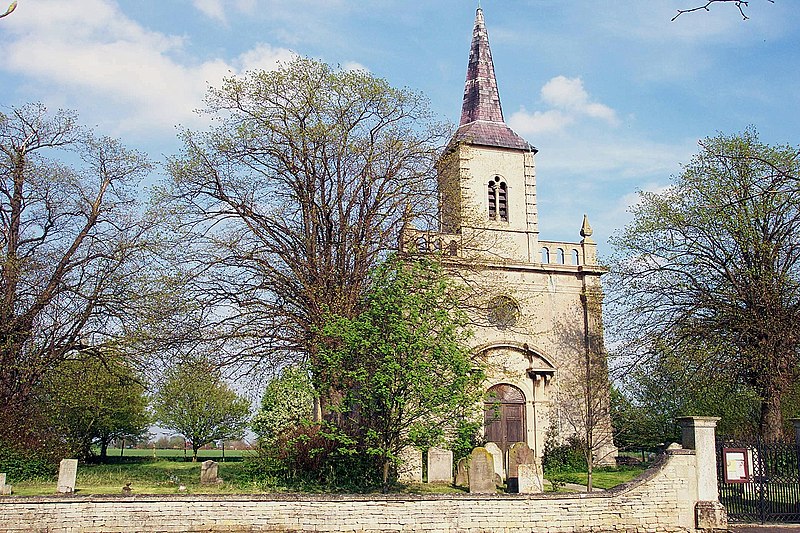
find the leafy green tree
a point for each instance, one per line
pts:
(196, 402)
(91, 400)
(288, 401)
(710, 269)
(402, 366)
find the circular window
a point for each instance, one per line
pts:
(503, 311)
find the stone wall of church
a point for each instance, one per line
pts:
(662, 500)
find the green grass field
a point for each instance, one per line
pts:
(602, 477)
(146, 476)
(166, 473)
(215, 454)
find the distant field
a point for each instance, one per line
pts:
(160, 476)
(149, 452)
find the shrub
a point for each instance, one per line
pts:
(22, 465)
(565, 457)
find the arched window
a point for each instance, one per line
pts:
(575, 257)
(545, 255)
(560, 256)
(497, 192)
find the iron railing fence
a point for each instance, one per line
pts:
(770, 490)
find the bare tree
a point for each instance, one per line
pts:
(68, 234)
(741, 5)
(284, 207)
(582, 399)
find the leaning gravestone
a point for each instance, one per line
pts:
(67, 472)
(497, 455)
(481, 471)
(518, 454)
(208, 473)
(410, 468)
(5, 490)
(530, 479)
(462, 473)
(440, 465)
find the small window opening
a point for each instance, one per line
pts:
(575, 258)
(545, 255)
(560, 256)
(453, 248)
(492, 200)
(497, 192)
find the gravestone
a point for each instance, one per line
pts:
(481, 472)
(208, 473)
(410, 468)
(67, 472)
(462, 473)
(497, 455)
(5, 490)
(518, 454)
(440, 465)
(530, 479)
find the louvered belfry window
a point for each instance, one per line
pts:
(497, 191)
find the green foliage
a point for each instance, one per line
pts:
(402, 367)
(92, 399)
(195, 401)
(288, 401)
(467, 436)
(676, 384)
(562, 456)
(315, 458)
(24, 464)
(710, 269)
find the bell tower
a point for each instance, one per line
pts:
(487, 178)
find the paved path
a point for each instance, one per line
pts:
(766, 528)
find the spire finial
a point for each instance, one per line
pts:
(586, 229)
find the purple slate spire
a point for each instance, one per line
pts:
(481, 114)
(481, 98)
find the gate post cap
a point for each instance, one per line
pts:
(699, 421)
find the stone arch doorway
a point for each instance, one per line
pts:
(504, 416)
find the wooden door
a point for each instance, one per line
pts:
(504, 416)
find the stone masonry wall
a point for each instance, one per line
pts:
(662, 500)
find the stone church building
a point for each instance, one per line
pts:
(536, 312)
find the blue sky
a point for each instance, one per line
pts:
(613, 94)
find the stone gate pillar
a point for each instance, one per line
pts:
(699, 435)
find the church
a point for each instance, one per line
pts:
(537, 319)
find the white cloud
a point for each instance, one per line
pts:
(569, 101)
(100, 60)
(353, 66)
(539, 122)
(217, 9)
(211, 8)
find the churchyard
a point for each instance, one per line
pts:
(168, 472)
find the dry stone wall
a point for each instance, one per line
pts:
(661, 501)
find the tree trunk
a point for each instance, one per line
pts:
(771, 422)
(194, 453)
(103, 449)
(385, 488)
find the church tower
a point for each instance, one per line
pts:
(536, 306)
(487, 177)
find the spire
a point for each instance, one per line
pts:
(481, 98)
(481, 113)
